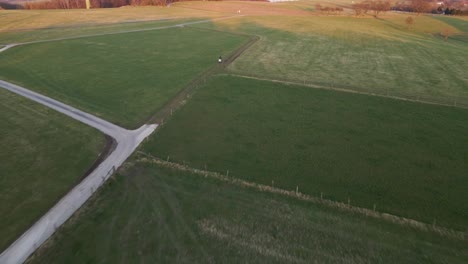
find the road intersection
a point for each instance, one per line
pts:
(126, 142)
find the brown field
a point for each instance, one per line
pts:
(35, 19)
(246, 8)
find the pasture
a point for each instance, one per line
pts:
(404, 158)
(73, 31)
(124, 78)
(14, 20)
(366, 54)
(43, 155)
(152, 214)
(409, 159)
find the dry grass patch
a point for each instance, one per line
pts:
(389, 27)
(15, 20)
(246, 8)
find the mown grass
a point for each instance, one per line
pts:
(408, 159)
(124, 78)
(460, 24)
(151, 214)
(376, 55)
(72, 31)
(36, 19)
(43, 154)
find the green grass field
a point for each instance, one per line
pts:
(409, 159)
(54, 32)
(43, 155)
(124, 78)
(154, 215)
(457, 22)
(18, 20)
(367, 54)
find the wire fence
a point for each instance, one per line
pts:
(347, 206)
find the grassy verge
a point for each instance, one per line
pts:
(124, 78)
(408, 159)
(43, 155)
(376, 55)
(151, 214)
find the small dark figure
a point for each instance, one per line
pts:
(220, 59)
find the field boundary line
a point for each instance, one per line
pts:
(347, 90)
(126, 142)
(184, 94)
(11, 45)
(143, 157)
(70, 26)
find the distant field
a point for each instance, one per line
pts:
(409, 159)
(43, 154)
(460, 23)
(60, 31)
(36, 19)
(368, 54)
(124, 78)
(154, 215)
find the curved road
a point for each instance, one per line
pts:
(127, 142)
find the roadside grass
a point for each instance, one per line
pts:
(124, 78)
(366, 54)
(409, 159)
(151, 214)
(43, 155)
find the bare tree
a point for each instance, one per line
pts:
(420, 6)
(338, 10)
(360, 8)
(318, 7)
(446, 33)
(409, 21)
(379, 6)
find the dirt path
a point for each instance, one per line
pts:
(118, 32)
(127, 141)
(176, 102)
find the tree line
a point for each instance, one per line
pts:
(328, 10)
(374, 7)
(448, 7)
(75, 4)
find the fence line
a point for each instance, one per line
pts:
(444, 100)
(442, 231)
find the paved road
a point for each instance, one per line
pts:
(127, 142)
(7, 47)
